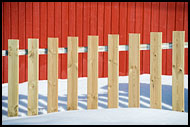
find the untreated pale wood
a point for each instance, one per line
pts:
(72, 73)
(134, 70)
(155, 70)
(92, 86)
(13, 77)
(178, 71)
(52, 75)
(33, 74)
(113, 70)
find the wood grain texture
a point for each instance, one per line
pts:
(155, 70)
(72, 73)
(13, 77)
(178, 71)
(92, 86)
(113, 70)
(52, 75)
(33, 76)
(134, 70)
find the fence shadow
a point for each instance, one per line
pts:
(102, 99)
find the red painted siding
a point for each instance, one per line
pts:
(23, 20)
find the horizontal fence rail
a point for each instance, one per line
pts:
(100, 49)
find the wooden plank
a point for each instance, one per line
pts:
(79, 33)
(130, 27)
(15, 32)
(51, 19)
(134, 70)
(115, 6)
(28, 31)
(178, 71)
(107, 30)
(113, 70)
(2, 39)
(13, 77)
(122, 37)
(22, 32)
(7, 35)
(33, 74)
(86, 32)
(155, 70)
(43, 40)
(146, 36)
(179, 23)
(52, 75)
(65, 31)
(92, 86)
(93, 18)
(58, 33)
(170, 27)
(163, 28)
(139, 29)
(72, 73)
(186, 35)
(101, 38)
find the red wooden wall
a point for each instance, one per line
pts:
(23, 20)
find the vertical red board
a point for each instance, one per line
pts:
(86, 32)
(146, 36)
(14, 20)
(139, 29)
(115, 18)
(58, 33)
(72, 19)
(79, 16)
(28, 31)
(7, 35)
(51, 19)
(130, 27)
(65, 28)
(186, 35)
(155, 17)
(162, 28)
(170, 28)
(51, 22)
(22, 33)
(36, 20)
(122, 37)
(93, 18)
(15, 33)
(115, 29)
(101, 38)
(179, 16)
(107, 30)
(43, 41)
(2, 41)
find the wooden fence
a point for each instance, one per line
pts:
(134, 48)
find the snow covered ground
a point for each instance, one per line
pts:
(122, 115)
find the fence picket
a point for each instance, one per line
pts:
(155, 70)
(13, 77)
(134, 70)
(33, 76)
(92, 86)
(113, 70)
(178, 71)
(52, 75)
(72, 73)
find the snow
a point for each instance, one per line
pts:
(106, 116)
(121, 115)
